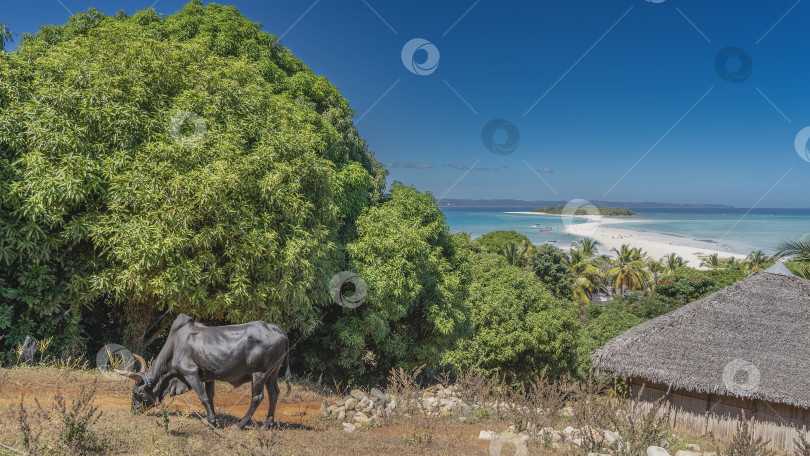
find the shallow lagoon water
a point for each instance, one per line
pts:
(734, 230)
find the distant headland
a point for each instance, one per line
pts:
(597, 203)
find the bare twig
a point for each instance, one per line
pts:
(13, 449)
(222, 434)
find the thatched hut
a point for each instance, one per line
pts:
(744, 349)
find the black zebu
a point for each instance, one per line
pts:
(195, 355)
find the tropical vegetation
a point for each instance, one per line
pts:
(155, 165)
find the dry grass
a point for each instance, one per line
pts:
(94, 410)
(59, 411)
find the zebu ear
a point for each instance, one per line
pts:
(132, 375)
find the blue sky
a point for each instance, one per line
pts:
(617, 100)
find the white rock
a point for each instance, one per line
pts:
(611, 437)
(687, 453)
(349, 427)
(361, 418)
(351, 404)
(657, 451)
(693, 447)
(487, 435)
(357, 394)
(378, 394)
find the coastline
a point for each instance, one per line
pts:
(656, 245)
(590, 216)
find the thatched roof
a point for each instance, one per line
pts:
(750, 340)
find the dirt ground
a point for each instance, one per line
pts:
(301, 429)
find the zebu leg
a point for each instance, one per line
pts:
(209, 390)
(272, 394)
(257, 389)
(197, 384)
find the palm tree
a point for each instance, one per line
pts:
(656, 268)
(799, 249)
(712, 261)
(515, 253)
(629, 272)
(756, 261)
(733, 263)
(588, 277)
(638, 254)
(587, 246)
(673, 262)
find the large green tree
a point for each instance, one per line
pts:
(184, 164)
(416, 275)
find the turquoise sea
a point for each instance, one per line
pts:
(733, 230)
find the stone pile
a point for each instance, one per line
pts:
(361, 408)
(583, 437)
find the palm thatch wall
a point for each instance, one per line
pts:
(745, 349)
(778, 424)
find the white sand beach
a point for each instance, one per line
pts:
(656, 245)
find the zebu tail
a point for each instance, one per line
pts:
(287, 375)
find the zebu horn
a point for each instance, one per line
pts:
(132, 375)
(142, 361)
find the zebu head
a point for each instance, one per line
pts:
(143, 395)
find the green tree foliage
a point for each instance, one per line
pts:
(497, 241)
(551, 265)
(518, 328)
(416, 274)
(605, 325)
(721, 277)
(630, 271)
(712, 261)
(5, 36)
(240, 212)
(757, 261)
(673, 262)
(679, 289)
(799, 268)
(799, 249)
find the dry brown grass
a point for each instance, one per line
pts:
(60, 411)
(34, 394)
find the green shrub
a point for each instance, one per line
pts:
(550, 265)
(679, 289)
(496, 241)
(518, 327)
